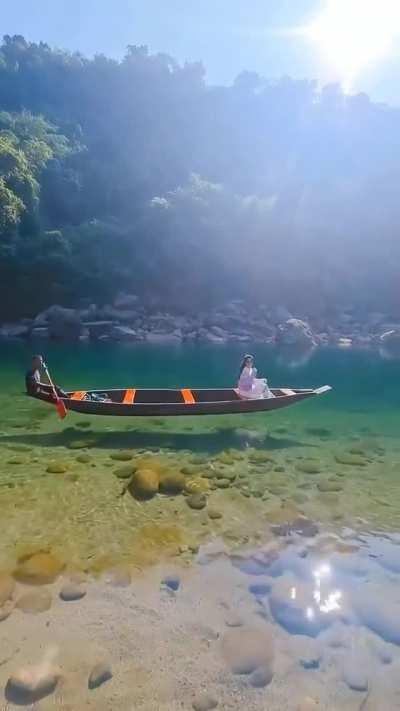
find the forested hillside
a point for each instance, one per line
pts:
(138, 175)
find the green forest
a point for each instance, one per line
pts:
(138, 175)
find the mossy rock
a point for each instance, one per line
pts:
(257, 491)
(144, 484)
(125, 472)
(57, 468)
(82, 444)
(191, 469)
(208, 473)
(308, 466)
(226, 474)
(328, 485)
(214, 514)
(156, 464)
(352, 460)
(199, 459)
(20, 448)
(287, 512)
(197, 501)
(235, 454)
(223, 483)
(172, 482)
(84, 458)
(225, 458)
(276, 489)
(41, 568)
(259, 457)
(122, 456)
(197, 485)
(16, 460)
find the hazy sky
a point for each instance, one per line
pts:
(226, 35)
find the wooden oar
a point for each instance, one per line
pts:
(60, 407)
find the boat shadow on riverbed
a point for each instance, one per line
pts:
(212, 441)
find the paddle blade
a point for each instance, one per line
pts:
(322, 390)
(61, 409)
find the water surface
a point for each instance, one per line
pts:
(303, 532)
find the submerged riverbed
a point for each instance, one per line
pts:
(298, 524)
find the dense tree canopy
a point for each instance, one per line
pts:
(137, 174)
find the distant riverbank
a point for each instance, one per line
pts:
(129, 320)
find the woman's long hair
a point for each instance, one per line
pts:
(243, 363)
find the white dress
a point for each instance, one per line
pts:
(249, 386)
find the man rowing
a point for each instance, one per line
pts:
(33, 381)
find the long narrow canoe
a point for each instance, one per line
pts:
(163, 403)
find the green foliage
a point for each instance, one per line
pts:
(136, 174)
(11, 208)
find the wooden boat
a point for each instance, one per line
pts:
(163, 403)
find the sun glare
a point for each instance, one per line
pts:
(353, 34)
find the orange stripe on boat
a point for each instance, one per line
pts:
(129, 397)
(188, 396)
(78, 395)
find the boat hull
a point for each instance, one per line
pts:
(167, 403)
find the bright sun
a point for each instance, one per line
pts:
(353, 34)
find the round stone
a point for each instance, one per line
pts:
(204, 702)
(197, 501)
(72, 591)
(38, 569)
(100, 673)
(246, 649)
(214, 514)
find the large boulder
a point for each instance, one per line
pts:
(41, 568)
(120, 315)
(389, 342)
(279, 314)
(161, 337)
(295, 332)
(172, 482)
(30, 684)
(99, 329)
(124, 333)
(14, 330)
(63, 324)
(89, 312)
(40, 332)
(144, 484)
(206, 335)
(125, 301)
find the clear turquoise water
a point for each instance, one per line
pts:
(361, 412)
(362, 381)
(334, 577)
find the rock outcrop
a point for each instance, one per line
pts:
(296, 333)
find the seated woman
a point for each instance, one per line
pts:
(249, 386)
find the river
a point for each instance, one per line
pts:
(309, 506)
